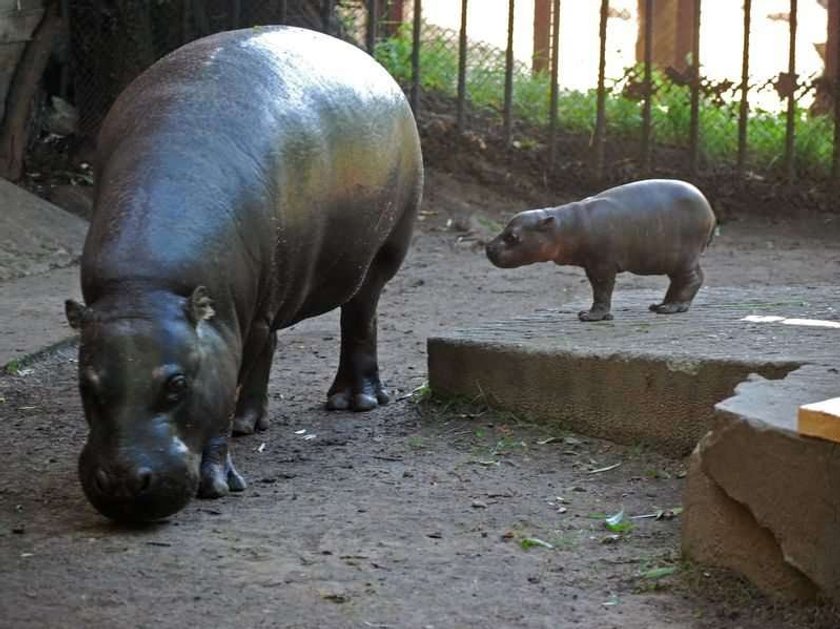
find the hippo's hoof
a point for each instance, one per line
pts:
(218, 480)
(250, 421)
(346, 399)
(594, 315)
(669, 308)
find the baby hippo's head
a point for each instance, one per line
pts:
(529, 237)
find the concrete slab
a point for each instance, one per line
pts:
(35, 236)
(40, 245)
(642, 377)
(32, 313)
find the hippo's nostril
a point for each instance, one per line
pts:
(143, 480)
(102, 481)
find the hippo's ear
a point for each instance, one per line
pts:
(546, 223)
(76, 313)
(199, 305)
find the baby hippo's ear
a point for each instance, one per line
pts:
(200, 306)
(75, 313)
(546, 223)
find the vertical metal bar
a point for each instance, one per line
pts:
(326, 15)
(790, 136)
(648, 87)
(745, 88)
(372, 19)
(508, 105)
(694, 128)
(600, 113)
(462, 67)
(415, 57)
(555, 71)
(235, 13)
(835, 164)
(284, 11)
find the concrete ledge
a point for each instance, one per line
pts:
(640, 378)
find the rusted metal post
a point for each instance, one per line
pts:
(553, 94)
(648, 87)
(415, 57)
(835, 164)
(600, 113)
(372, 19)
(462, 67)
(790, 135)
(694, 125)
(508, 105)
(541, 57)
(745, 88)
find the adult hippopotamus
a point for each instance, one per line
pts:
(648, 227)
(247, 181)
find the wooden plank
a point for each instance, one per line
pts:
(820, 419)
(18, 27)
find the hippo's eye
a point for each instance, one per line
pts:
(176, 386)
(510, 238)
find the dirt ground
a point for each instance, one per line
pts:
(418, 514)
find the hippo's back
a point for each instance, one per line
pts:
(651, 226)
(247, 154)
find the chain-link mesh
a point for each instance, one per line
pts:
(115, 40)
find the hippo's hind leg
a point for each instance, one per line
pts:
(681, 291)
(357, 385)
(603, 282)
(252, 404)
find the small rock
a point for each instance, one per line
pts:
(479, 504)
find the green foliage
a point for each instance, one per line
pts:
(670, 107)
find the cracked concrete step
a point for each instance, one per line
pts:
(764, 500)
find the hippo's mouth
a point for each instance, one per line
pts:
(122, 496)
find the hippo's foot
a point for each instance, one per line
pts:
(218, 476)
(250, 420)
(594, 315)
(364, 397)
(670, 307)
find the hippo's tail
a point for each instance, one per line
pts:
(712, 233)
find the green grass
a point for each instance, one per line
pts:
(670, 111)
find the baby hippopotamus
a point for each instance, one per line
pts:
(649, 227)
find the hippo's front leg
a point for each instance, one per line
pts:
(603, 282)
(218, 476)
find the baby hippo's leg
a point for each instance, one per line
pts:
(602, 281)
(683, 288)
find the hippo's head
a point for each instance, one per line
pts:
(529, 237)
(151, 377)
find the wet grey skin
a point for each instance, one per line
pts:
(245, 182)
(648, 227)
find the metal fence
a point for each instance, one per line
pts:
(655, 106)
(661, 109)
